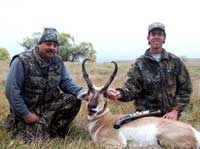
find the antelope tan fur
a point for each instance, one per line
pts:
(143, 132)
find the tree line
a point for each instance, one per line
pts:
(68, 49)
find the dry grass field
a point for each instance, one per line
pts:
(77, 137)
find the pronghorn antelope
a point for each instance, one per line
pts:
(146, 131)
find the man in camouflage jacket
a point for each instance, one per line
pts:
(158, 80)
(33, 88)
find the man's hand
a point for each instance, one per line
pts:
(83, 96)
(173, 115)
(31, 118)
(113, 94)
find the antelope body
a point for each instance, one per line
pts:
(146, 131)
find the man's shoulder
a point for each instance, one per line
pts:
(172, 56)
(139, 62)
(58, 58)
(21, 55)
(140, 59)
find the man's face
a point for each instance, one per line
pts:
(156, 38)
(47, 50)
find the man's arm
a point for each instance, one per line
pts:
(14, 85)
(132, 87)
(184, 88)
(183, 93)
(68, 85)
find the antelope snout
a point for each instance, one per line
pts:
(92, 108)
(91, 105)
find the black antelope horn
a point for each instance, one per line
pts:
(86, 77)
(111, 78)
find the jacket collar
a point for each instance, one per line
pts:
(40, 61)
(164, 55)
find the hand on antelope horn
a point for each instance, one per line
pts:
(83, 95)
(113, 94)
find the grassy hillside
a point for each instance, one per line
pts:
(99, 73)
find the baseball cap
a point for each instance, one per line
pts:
(156, 25)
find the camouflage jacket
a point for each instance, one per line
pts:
(163, 85)
(39, 76)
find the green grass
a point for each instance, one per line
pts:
(78, 136)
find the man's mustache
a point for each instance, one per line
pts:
(51, 50)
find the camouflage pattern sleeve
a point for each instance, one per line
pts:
(184, 87)
(133, 85)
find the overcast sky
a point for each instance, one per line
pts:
(116, 28)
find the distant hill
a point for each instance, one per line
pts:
(189, 60)
(193, 60)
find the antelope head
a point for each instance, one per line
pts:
(98, 101)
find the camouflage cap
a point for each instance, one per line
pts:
(50, 34)
(156, 25)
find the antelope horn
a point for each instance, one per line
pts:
(111, 78)
(86, 77)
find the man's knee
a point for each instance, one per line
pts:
(64, 116)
